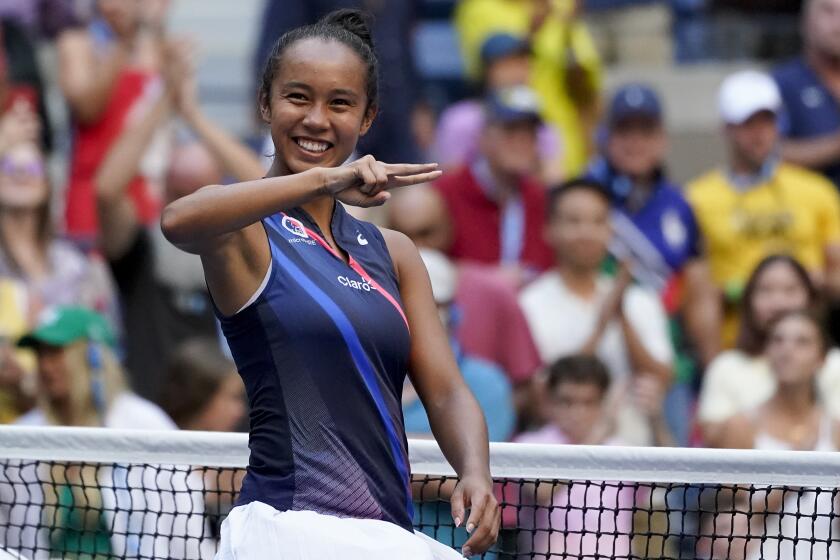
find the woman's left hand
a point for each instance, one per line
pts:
(476, 493)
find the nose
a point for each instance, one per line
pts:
(316, 117)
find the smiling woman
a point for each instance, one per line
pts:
(325, 315)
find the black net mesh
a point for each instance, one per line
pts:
(52, 509)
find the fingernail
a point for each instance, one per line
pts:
(457, 521)
(470, 527)
(466, 552)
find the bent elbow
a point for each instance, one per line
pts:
(174, 224)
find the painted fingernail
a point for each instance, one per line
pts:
(470, 527)
(457, 521)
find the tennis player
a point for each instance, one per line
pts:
(324, 315)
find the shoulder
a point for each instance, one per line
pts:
(131, 411)
(739, 431)
(547, 282)
(802, 180)
(403, 252)
(790, 73)
(705, 185)
(728, 363)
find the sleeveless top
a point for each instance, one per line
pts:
(323, 351)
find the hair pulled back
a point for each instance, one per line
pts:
(349, 27)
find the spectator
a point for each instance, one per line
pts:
(491, 325)
(654, 226)
(566, 67)
(575, 308)
(109, 71)
(53, 271)
(578, 388)
(740, 380)
(390, 138)
(21, 79)
(506, 62)
(790, 524)
(81, 383)
(757, 205)
(810, 87)
(163, 292)
(203, 389)
(488, 383)
(495, 206)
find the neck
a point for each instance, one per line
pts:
(741, 166)
(794, 400)
(505, 184)
(20, 229)
(321, 209)
(824, 63)
(579, 280)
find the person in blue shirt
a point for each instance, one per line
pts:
(810, 88)
(656, 232)
(325, 315)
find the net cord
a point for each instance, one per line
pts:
(508, 460)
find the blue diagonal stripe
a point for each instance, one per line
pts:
(358, 354)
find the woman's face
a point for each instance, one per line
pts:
(777, 290)
(317, 106)
(53, 373)
(225, 409)
(23, 183)
(794, 350)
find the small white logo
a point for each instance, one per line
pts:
(294, 227)
(361, 239)
(812, 97)
(355, 284)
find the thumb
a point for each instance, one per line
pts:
(457, 502)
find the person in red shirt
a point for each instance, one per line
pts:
(496, 205)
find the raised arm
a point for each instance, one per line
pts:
(221, 222)
(454, 414)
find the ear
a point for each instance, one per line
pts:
(265, 108)
(367, 121)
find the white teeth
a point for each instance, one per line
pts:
(313, 146)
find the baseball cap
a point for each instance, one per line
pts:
(518, 103)
(746, 93)
(500, 45)
(62, 326)
(635, 100)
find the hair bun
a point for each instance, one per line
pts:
(357, 22)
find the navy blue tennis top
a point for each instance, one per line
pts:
(323, 352)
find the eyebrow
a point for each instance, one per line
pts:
(337, 91)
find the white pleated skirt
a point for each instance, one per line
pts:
(257, 531)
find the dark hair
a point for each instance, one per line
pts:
(349, 27)
(586, 184)
(809, 315)
(752, 336)
(195, 372)
(579, 368)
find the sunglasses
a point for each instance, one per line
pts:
(31, 169)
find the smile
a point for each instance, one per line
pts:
(313, 146)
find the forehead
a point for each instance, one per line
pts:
(582, 199)
(578, 390)
(322, 64)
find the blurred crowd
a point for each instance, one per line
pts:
(590, 299)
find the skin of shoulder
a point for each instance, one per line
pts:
(404, 253)
(738, 432)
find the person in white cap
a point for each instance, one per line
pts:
(757, 205)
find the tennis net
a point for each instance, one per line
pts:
(93, 493)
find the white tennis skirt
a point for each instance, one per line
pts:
(257, 531)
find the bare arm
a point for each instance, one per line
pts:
(221, 222)
(122, 163)
(85, 81)
(640, 359)
(702, 310)
(455, 417)
(814, 152)
(831, 281)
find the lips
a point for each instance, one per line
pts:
(312, 146)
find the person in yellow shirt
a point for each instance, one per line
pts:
(758, 205)
(566, 69)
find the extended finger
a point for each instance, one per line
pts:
(381, 173)
(407, 180)
(368, 177)
(457, 504)
(409, 168)
(484, 534)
